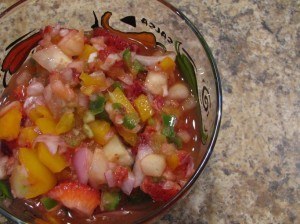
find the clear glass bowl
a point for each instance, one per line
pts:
(156, 16)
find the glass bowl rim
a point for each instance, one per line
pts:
(217, 121)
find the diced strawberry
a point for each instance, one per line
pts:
(102, 54)
(76, 196)
(114, 40)
(161, 191)
(145, 137)
(134, 90)
(158, 103)
(186, 165)
(120, 174)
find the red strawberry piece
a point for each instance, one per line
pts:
(160, 191)
(76, 196)
(134, 90)
(120, 175)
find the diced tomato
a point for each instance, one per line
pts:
(107, 51)
(161, 191)
(76, 196)
(120, 174)
(158, 103)
(134, 90)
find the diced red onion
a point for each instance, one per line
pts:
(35, 89)
(82, 161)
(83, 100)
(63, 32)
(128, 184)
(51, 141)
(109, 176)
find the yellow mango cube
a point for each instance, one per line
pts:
(40, 111)
(65, 124)
(167, 64)
(143, 106)
(27, 136)
(87, 50)
(46, 125)
(129, 137)
(100, 130)
(54, 163)
(172, 161)
(117, 96)
(10, 124)
(40, 178)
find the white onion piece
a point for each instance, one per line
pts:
(72, 44)
(152, 60)
(83, 100)
(127, 79)
(184, 135)
(153, 165)
(51, 58)
(109, 176)
(143, 151)
(35, 89)
(178, 91)
(128, 184)
(157, 83)
(51, 141)
(82, 161)
(109, 61)
(14, 104)
(98, 168)
(189, 103)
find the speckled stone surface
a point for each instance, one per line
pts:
(253, 174)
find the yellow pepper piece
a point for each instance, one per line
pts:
(173, 161)
(129, 137)
(143, 107)
(87, 50)
(88, 90)
(27, 136)
(10, 124)
(54, 163)
(40, 112)
(40, 178)
(46, 125)
(167, 64)
(117, 96)
(88, 80)
(65, 124)
(100, 130)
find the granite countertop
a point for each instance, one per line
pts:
(253, 174)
